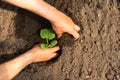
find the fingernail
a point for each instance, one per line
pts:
(77, 27)
(59, 36)
(77, 37)
(58, 47)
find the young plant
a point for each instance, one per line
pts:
(48, 35)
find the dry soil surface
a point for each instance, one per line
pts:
(94, 56)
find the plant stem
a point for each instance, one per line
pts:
(47, 41)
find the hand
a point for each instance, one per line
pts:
(60, 22)
(11, 68)
(40, 55)
(64, 24)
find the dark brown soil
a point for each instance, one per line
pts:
(94, 56)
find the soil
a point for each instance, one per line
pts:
(94, 56)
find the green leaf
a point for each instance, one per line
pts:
(52, 43)
(44, 45)
(47, 34)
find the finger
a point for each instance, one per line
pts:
(75, 34)
(59, 34)
(54, 49)
(77, 28)
(37, 46)
(53, 55)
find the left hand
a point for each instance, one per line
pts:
(60, 22)
(63, 24)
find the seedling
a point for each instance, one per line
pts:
(49, 36)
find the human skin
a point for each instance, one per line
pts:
(60, 23)
(10, 69)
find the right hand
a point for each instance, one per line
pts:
(40, 55)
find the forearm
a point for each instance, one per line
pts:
(37, 6)
(11, 68)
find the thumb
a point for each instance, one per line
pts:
(54, 49)
(53, 55)
(59, 34)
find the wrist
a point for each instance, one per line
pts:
(29, 56)
(45, 10)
